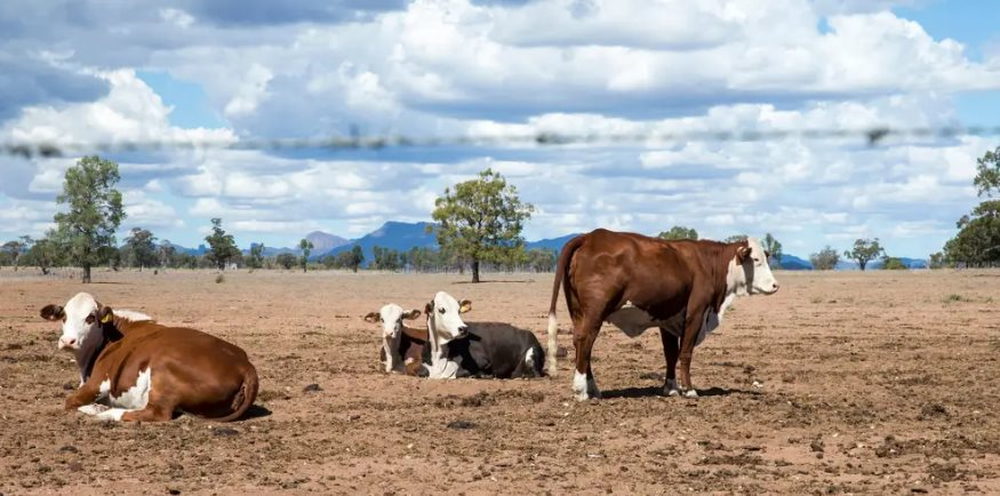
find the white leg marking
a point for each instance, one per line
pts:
(529, 358)
(670, 388)
(92, 409)
(113, 414)
(690, 393)
(580, 386)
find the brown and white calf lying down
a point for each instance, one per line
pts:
(487, 349)
(402, 346)
(134, 369)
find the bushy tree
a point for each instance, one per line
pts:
(864, 251)
(140, 248)
(978, 238)
(679, 232)
(165, 254)
(825, 259)
(222, 246)
(354, 258)
(306, 247)
(14, 249)
(256, 259)
(286, 260)
(736, 237)
(893, 263)
(482, 220)
(987, 181)
(385, 259)
(937, 261)
(45, 253)
(544, 260)
(94, 212)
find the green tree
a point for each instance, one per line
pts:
(864, 251)
(987, 180)
(44, 253)
(543, 259)
(893, 263)
(141, 248)
(165, 254)
(286, 260)
(306, 247)
(354, 258)
(256, 259)
(736, 237)
(825, 259)
(773, 247)
(222, 246)
(17, 248)
(679, 232)
(94, 212)
(937, 260)
(482, 220)
(978, 238)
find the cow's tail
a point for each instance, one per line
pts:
(562, 270)
(244, 397)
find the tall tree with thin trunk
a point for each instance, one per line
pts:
(141, 248)
(773, 248)
(306, 247)
(94, 212)
(222, 245)
(481, 220)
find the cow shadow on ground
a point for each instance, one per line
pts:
(650, 391)
(256, 411)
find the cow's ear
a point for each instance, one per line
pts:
(742, 253)
(429, 309)
(465, 306)
(52, 312)
(373, 317)
(105, 314)
(412, 314)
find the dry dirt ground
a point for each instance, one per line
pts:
(879, 383)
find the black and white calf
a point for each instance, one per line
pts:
(487, 349)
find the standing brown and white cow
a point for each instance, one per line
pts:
(133, 369)
(636, 282)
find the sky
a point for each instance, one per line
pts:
(98, 71)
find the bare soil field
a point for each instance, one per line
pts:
(875, 383)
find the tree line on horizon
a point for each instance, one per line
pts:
(479, 228)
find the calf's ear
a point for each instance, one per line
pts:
(412, 314)
(105, 314)
(429, 309)
(373, 317)
(52, 312)
(465, 306)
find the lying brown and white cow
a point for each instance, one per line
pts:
(636, 282)
(133, 369)
(477, 349)
(402, 345)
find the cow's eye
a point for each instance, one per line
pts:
(441, 311)
(90, 319)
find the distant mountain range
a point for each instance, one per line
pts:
(402, 236)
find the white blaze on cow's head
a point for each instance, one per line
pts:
(444, 320)
(81, 318)
(391, 317)
(755, 276)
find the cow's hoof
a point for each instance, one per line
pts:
(670, 388)
(690, 393)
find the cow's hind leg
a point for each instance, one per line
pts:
(152, 413)
(671, 351)
(584, 336)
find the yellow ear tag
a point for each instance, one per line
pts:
(106, 319)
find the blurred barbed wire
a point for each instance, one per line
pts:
(871, 136)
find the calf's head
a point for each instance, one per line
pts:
(82, 318)
(391, 317)
(754, 274)
(444, 320)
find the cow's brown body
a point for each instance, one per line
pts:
(673, 282)
(145, 371)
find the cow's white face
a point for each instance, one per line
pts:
(391, 317)
(757, 273)
(81, 321)
(444, 318)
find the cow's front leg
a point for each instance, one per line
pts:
(584, 384)
(692, 326)
(85, 395)
(671, 350)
